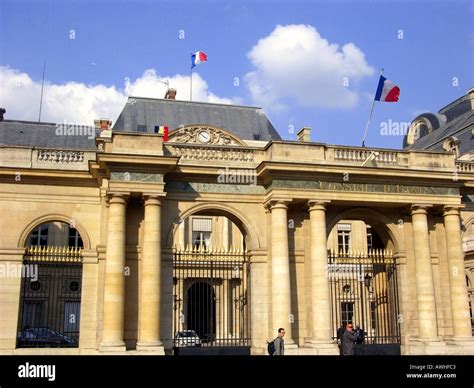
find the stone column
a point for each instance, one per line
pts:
(114, 290)
(320, 298)
(281, 289)
(457, 277)
(425, 293)
(150, 279)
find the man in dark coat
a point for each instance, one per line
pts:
(340, 333)
(348, 341)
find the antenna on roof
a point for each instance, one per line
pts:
(42, 86)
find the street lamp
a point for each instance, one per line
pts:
(368, 282)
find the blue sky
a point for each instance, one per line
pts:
(114, 40)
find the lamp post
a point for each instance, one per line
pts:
(368, 282)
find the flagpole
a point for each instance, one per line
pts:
(191, 84)
(368, 123)
(370, 117)
(42, 87)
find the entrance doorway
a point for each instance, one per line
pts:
(201, 301)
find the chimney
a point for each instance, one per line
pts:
(103, 124)
(2, 112)
(304, 134)
(170, 94)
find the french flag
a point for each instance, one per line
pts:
(197, 58)
(387, 91)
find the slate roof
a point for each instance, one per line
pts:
(44, 135)
(456, 119)
(242, 121)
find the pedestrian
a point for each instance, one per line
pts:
(348, 341)
(280, 343)
(340, 332)
(359, 332)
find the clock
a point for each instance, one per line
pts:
(204, 137)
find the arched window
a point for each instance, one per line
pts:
(55, 233)
(50, 297)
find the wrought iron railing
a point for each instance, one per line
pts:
(364, 292)
(50, 301)
(210, 297)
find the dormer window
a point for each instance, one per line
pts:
(451, 144)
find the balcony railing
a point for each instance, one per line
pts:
(361, 155)
(465, 166)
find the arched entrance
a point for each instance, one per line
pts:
(201, 310)
(211, 284)
(363, 283)
(50, 297)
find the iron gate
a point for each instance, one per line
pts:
(50, 301)
(364, 292)
(210, 299)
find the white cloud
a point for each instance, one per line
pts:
(294, 61)
(81, 103)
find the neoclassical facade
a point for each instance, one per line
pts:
(131, 240)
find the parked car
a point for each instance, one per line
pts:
(44, 337)
(186, 338)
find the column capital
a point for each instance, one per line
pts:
(117, 197)
(450, 210)
(317, 204)
(420, 208)
(152, 199)
(277, 204)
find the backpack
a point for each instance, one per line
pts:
(271, 347)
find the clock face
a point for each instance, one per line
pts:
(204, 137)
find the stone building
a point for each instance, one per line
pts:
(122, 239)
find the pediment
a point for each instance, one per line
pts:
(204, 135)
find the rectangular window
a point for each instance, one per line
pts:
(347, 312)
(343, 237)
(33, 312)
(202, 225)
(370, 242)
(39, 236)
(256, 136)
(72, 314)
(373, 315)
(201, 238)
(74, 238)
(201, 230)
(141, 128)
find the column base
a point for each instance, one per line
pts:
(321, 347)
(116, 346)
(460, 345)
(155, 347)
(419, 346)
(291, 348)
